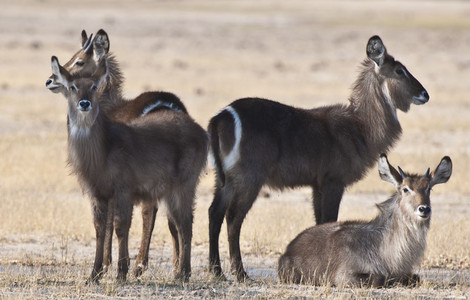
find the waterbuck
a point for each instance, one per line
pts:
(256, 142)
(83, 64)
(154, 160)
(379, 252)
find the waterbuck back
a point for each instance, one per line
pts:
(380, 252)
(258, 142)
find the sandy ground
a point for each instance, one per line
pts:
(209, 53)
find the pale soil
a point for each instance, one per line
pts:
(209, 53)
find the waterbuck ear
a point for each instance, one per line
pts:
(101, 44)
(387, 172)
(88, 45)
(62, 76)
(376, 50)
(442, 172)
(84, 37)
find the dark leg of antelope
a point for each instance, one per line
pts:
(122, 223)
(317, 204)
(182, 217)
(216, 218)
(100, 211)
(149, 212)
(238, 207)
(332, 192)
(176, 244)
(108, 240)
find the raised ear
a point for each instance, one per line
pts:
(442, 172)
(376, 50)
(101, 44)
(88, 45)
(62, 76)
(84, 37)
(387, 172)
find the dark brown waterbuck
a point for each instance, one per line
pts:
(155, 160)
(83, 64)
(379, 252)
(256, 142)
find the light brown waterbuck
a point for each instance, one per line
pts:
(84, 63)
(256, 142)
(153, 160)
(379, 252)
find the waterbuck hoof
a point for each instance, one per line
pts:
(242, 277)
(121, 278)
(182, 277)
(139, 270)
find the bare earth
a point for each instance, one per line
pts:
(209, 53)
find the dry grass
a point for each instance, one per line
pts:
(301, 53)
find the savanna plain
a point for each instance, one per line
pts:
(209, 53)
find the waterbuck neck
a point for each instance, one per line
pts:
(88, 146)
(112, 93)
(403, 238)
(372, 104)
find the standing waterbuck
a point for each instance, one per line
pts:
(378, 253)
(84, 63)
(153, 160)
(256, 142)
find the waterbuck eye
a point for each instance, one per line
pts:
(400, 71)
(405, 190)
(80, 63)
(94, 87)
(73, 88)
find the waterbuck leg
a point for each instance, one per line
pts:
(108, 240)
(317, 204)
(100, 212)
(180, 213)
(149, 212)
(176, 244)
(238, 207)
(216, 218)
(332, 192)
(122, 223)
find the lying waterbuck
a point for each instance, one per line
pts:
(257, 141)
(155, 159)
(83, 64)
(378, 253)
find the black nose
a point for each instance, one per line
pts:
(424, 209)
(49, 81)
(425, 95)
(84, 105)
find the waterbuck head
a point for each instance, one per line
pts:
(414, 190)
(85, 61)
(398, 85)
(82, 93)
